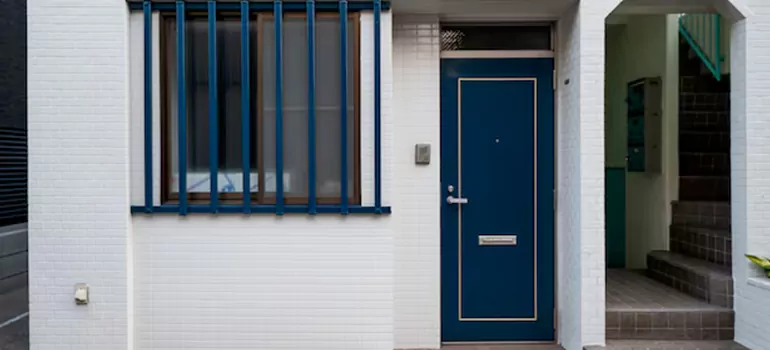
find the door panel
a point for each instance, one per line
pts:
(497, 152)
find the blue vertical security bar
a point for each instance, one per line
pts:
(182, 104)
(344, 107)
(245, 106)
(278, 14)
(377, 93)
(311, 188)
(147, 9)
(213, 108)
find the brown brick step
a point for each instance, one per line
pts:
(668, 345)
(704, 120)
(704, 188)
(702, 243)
(639, 307)
(704, 83)
(707, 281)
(704, 101)
(704, 163)
(704, 141)
(706, 214)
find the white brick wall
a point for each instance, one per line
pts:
(750, 81)
(417, 239)
(567, 181)
(263, 282)
(359, 282)
(580, 174)
(78, 133)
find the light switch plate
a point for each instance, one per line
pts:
(422, 154)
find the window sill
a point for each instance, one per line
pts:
(260, 209)
(760, 282)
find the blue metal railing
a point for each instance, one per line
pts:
(703, 33)
(277, 7)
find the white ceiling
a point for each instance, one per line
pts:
(485, 9)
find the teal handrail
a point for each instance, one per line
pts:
(703, 33)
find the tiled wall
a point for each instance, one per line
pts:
(416, 84)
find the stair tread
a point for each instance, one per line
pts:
(710, 153)
(702, 229)
(686, 202)
(698, 266)
(704, 176)
(632, 291)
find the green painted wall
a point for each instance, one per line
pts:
(643, 46)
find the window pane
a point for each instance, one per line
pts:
(328, 108)
(495, 38)
(230, 178)
(295, 107)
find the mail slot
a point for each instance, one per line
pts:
(497, 240)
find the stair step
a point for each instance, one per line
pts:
(639, 307)
(715, 215)
(704, 120)
(704, 188)
(704, 83)
(669, 345)
(701, 279)
(704, 101)
(702, 243)
(704, 163)
(704, 141)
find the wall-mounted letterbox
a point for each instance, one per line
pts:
(644, 125)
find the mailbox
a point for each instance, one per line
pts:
(644, 123)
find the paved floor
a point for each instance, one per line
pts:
(14, 335)
(629, 290)
(504, 347)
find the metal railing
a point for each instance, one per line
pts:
(703, 33)
(277, 7)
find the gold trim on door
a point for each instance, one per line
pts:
(460, 195)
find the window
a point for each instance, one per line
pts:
(263, 109)
(461, 37)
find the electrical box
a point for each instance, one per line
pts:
(644, 101)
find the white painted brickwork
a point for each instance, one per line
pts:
(417, 240)
(580, 174)
(568, 184)
(78, 133)
(326, 282)
(750, 150)
(261, 282)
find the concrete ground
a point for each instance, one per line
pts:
(14, 320)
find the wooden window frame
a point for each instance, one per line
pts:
(260, 197)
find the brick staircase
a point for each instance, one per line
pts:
(686, 293)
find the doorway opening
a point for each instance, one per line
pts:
(668, 238)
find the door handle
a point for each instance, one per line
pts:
(456, 200)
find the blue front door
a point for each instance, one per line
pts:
(497, 178)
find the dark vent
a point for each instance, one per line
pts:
(13, 176)
(461, 37)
